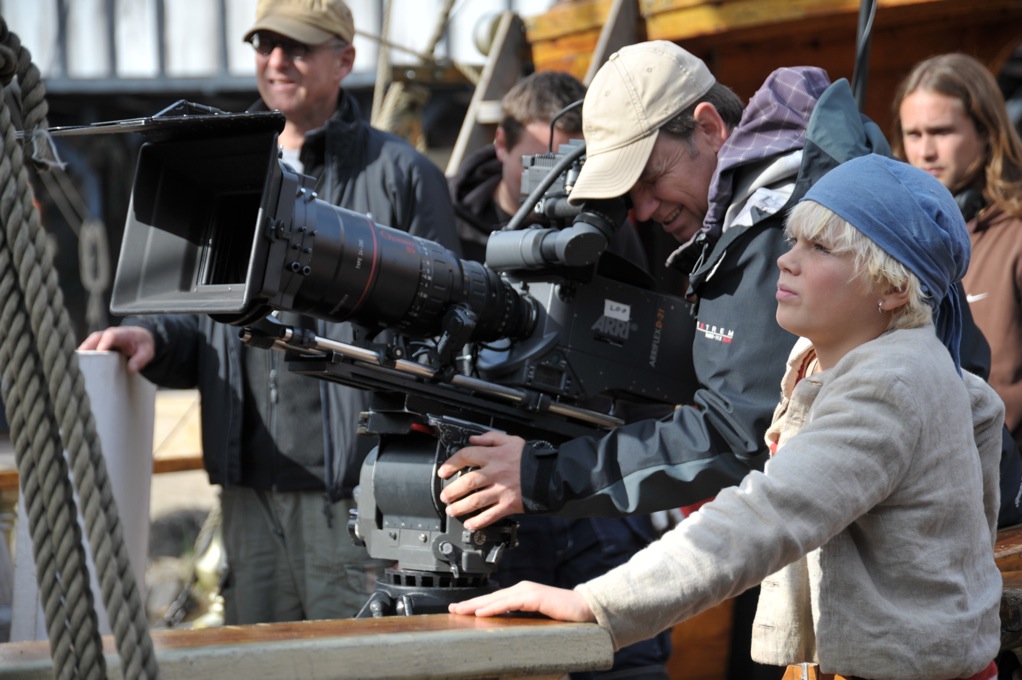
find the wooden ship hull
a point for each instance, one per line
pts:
(742, 41)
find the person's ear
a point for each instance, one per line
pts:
(346, 61)
(710, 123)
(500, 144)
(894, 299)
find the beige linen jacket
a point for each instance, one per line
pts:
(875, 525)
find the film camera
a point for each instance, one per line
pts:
(527, 343)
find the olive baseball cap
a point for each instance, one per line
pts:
(640, 88)
(312, 22)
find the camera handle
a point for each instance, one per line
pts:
(407, 591)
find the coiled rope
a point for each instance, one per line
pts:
(49, 414)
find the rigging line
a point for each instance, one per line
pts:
(64, 206)
(74, 195)
(863, 38)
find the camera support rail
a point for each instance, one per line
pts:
(372, 369)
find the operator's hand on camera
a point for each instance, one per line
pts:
(491, 483)
(134, 342)
(557, 603)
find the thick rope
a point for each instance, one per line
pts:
(45, 486)
(67, 421)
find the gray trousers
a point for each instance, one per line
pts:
(286, 563)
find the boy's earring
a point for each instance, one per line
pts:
(880, 306)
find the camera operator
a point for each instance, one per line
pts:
(486, 192)
(487, 189)
(285, 447)
(659, 128)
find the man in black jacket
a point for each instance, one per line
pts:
(284, 447)
(660, 128)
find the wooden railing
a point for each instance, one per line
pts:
(431, 646)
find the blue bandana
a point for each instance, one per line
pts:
(914, 219)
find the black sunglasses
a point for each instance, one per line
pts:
(265, 44)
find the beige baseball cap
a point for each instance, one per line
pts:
(640, 88)
(312, 22)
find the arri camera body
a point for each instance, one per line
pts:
(538, 342)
